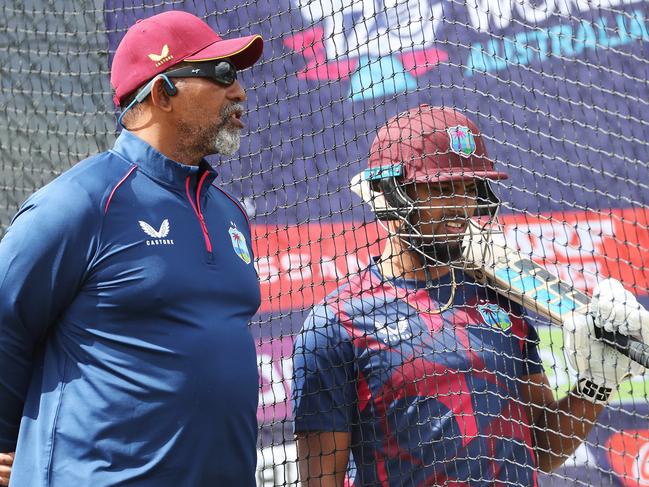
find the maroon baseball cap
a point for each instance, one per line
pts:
(431, 144)
(155, 44)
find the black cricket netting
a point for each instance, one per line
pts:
(558, 87)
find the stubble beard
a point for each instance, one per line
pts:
(437, 250)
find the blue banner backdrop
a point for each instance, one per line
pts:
(558, 88)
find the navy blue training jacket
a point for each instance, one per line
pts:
(126, 288)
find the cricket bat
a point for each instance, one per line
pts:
(529, 284)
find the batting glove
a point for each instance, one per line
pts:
(598, 366)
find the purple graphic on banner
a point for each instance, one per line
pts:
(573, 143)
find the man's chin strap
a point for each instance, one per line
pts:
(444, 253)
(421, 256)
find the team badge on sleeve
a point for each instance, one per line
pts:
(495, 316)
(239, 243)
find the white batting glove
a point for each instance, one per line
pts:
(599, 367)
(617, 310)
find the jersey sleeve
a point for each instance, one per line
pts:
(43, 258)
(533, 363)
(324, 387)
(529, 342)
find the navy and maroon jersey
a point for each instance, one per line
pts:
(429, 399)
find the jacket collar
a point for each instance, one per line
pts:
(156, 165)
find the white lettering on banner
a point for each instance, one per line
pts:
(488, 15)
(571, 249)
(373, 28)
(535, 12)
(354, 264)
(277, 465)
(329, 271)
(299, 270)
(567, 249)
(267, 269)
(565, 7)
(483, 12)
(275, 365)
(559, 240)
(641, 465)
(274, 376)
(297, 265)
(376, 28)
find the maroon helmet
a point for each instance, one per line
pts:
(433, 144)
(429, 144)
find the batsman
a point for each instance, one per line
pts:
(412, 373)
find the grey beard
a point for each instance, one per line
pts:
(227, 140)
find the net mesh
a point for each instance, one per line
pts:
(559, 90)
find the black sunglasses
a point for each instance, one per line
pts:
(222, 71)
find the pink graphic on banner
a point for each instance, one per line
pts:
(422, 61)
(299, 265)
(310, 44)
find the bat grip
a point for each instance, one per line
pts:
(629, 346)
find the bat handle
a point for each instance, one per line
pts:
(629, 346)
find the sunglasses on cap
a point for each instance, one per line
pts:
(222, 71)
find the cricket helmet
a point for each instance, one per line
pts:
(425, 144)
(430, 145)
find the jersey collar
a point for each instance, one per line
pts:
(409, 284)
(155, 164)
(441, 288)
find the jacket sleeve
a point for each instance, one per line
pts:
(43, 259)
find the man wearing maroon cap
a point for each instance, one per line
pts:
(411, 373)
(180, 79)
(127, 285)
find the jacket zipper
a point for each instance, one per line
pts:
(197, 209)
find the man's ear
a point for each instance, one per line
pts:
(161, 93)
